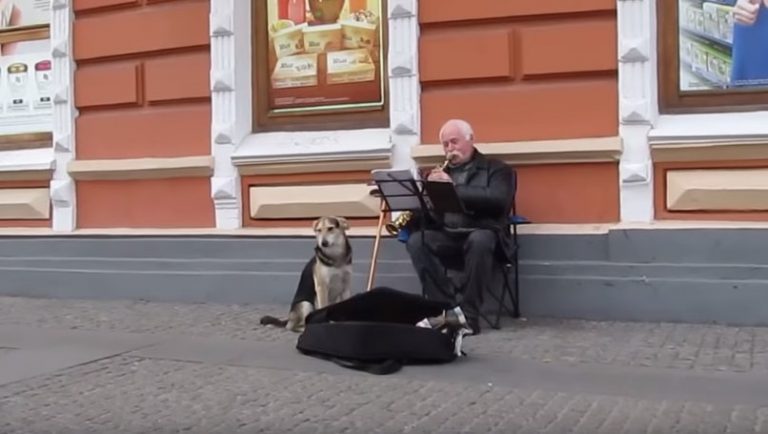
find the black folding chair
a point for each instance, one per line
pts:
(509, 288)
(508, 265)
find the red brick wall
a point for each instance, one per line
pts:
(142, 90)
(521, 70)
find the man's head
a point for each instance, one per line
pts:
(458, 139)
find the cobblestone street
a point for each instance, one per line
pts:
(127, 367)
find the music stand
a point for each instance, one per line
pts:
(444, 197)
(399, 190)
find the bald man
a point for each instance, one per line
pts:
(471, 239)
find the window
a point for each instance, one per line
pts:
(319, 65)
(713, 55)
(26, 94)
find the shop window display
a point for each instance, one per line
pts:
(320, 62)
(26, 94)
(713, 55)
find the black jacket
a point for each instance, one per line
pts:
(487, 194)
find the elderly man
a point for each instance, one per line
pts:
(485, 187)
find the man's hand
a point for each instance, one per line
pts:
(438, 175)
(745, 11)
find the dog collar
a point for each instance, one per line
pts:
(332, 262)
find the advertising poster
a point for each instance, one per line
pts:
(723, 44)
(324, 54)
(22, 13)
(26, 80)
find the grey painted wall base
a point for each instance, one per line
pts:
(686, 275)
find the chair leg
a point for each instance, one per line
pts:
(494, 325)
(512, 295)
(516, 303)
(501, 304)
(501, 301)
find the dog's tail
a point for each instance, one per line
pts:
(270, 320)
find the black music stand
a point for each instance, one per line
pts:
(399, 190)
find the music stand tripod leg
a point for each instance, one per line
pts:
(376, 242)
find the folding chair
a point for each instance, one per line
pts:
(511, 289)
(508, 266)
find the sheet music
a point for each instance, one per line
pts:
(397, 186)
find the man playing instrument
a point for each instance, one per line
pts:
(485, 187)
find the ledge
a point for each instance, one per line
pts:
(275, 149)
(535, 152)
(710, 127)
(311, 166)
(754, 149)
(369, 231)
(27, 164)
(141, 168)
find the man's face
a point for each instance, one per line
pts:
(457, 144)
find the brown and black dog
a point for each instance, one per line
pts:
(326, 278)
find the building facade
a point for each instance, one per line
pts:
(639, 155)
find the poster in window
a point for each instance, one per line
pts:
(23, 13)
(324, 55)
(26, 87)
(723, 45)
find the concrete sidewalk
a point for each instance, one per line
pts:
(86, 366)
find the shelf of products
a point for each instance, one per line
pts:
(706, 37)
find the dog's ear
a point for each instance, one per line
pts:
(316, 225)
(343, 223)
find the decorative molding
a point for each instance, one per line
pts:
(27, 165)
(735, 150)
(64, 113)
(230, 81)
(717, 190)
(638, 106)
(311, 201)
(314, 166)
(24, 204)
(710, 127)
(141, 168)
(268, 148)
(404, 85)
(605, 149)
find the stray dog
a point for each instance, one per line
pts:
(326, 278)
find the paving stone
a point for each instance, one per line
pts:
(697, 347)
(126, 394)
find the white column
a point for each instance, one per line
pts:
(404, 86)
(230, 24)
(62, 186)
(638, 106)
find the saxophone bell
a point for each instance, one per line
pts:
(394, 227)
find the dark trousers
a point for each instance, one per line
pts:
(472, 251)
